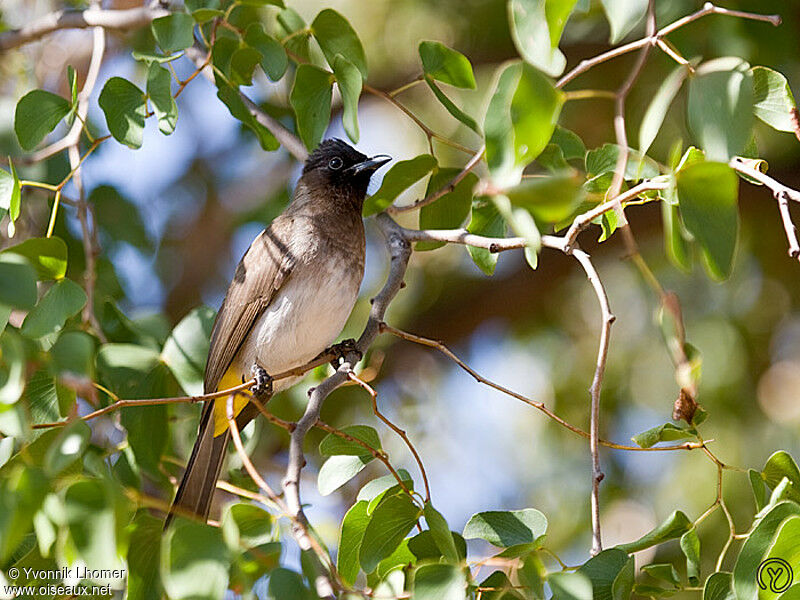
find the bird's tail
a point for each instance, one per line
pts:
(196, 489)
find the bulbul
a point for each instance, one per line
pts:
(290, 297)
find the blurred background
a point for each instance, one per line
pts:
(176, 215)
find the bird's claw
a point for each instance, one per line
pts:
(342, 349)
(262, 388)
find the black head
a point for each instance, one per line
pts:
(337, 164)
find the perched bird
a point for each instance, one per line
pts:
(290, 297)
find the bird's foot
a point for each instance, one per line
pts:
(263, 385)
(342, 349)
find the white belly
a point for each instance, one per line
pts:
(300, 322)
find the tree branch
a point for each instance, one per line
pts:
(131, 18)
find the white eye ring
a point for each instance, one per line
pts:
(336, 163)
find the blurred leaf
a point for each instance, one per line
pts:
(118, 218)
(623, 16)
(667, 432)
(89, 513)
(523, 225)
(499, 587)
(273, 57)
(787, 548)
(354, 524)
(348, 78)
(604, 160)
(10, 196)
(246, 525)
(674, 527)
(773, 101)
(6, 449)
(570, 586)
(222, 53)
(338, 470)
(451, 107)
(159, 90)
(149, 58)
(451, 210)
(203, 10)
(295, 30)
(125, 108)
(759, 489)
(663, 572)
(311, 99)
(333, 444)
(186, 349)
(622, 586)
(675, 242)
(72, 81)
(603, 569)
(37, 114)
(230, 97)
(46, 399)
(532, 573)
(718, 587)
(520, 120)
(780, 465)
(63, 300)
(549, 199)
(570, 143)
(690, 546)
(12, 368)
(144, 558)
(659, 105)
(173, 32)
(486, 221)
(47, 255)
(73, 352)
(22, 492)
(708, 194)
(441, 533)
(17, 281)
(67, 448)
(388, 525)
(536, 27)
(336, 36)
(720, 107)
(391, 586)
(377, 486)
(439, 582)
(446, 65)
(402, 175)
(287, 585)
(506, 528)
(194, 561)
(755, 547)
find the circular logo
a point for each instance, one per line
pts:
(775, 575)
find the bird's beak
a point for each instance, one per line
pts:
(370, 165)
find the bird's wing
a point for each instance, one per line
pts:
(261, 272)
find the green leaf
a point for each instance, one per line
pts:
(194, 561)
(708, 195)
(173, 32)
(755, 547)
(287, 585)
(47, 255)
(352, 532)
(246, 525)
(780, 465)
(486, 221)
(451, 107)
(498, 586)
(377, 486)
(149, 58)
(125, 108)
(335, 36)
(674, 527)
(718, 587)
(785, 548)
(690, 546)
(243, 63)
(549, 199)
(603, 569)
(204, 10)
(333, 444)
(622, 586)
(570, 143)
(348, 78)
(37, 114)
(506, 528)
(231, 98)
(164, 106)
(12, 368)
(46, 399)
(449, 211)
(759, 489)
(10, 195)
(89, 514)
(186, 349)
(663, 572)
(439, 582)
(118, 218)
(662, 433)
(523, 225)
(520, 120)
(773, 101)
(73, 353)
(402, 175)
(623, 16)
(720, 107)
(295, 29)
(446, 65)
(338, 470)
(603, 160)
(659, 105)
(311, 99)
(570, 586)
(389, 523)
(17, 281)
(273, 57)
(21, 494)
(144, 558)
(72, 80)
(441, 533)
(68, 447)
(536, 27)
(222, 52)
(62, 301)
(675, 239)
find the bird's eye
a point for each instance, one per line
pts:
(336, 163)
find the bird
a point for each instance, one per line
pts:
(288, 301)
